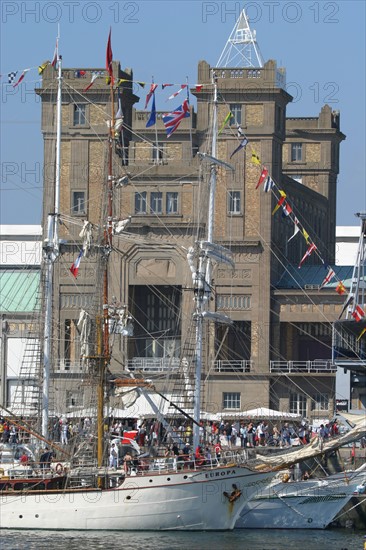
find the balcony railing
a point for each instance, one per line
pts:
(164, 364)
(153, 364)
(316, 366)
(227, 366)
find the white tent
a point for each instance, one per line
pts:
(141, 408)
(260, 413)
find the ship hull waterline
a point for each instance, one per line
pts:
(188, 500)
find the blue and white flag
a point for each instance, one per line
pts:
(240, 146)
(268, 184)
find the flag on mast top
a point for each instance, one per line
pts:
(241, 49)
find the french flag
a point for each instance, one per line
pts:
(75, 266)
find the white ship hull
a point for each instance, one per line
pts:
(298, 505)
(188, 500)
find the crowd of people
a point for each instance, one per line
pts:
(177, 440)
(228, 434)
(215, 437)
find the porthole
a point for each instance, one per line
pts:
(168, 478)
(185, 477)
(36, 516)
(128, 497)
(20, 517)
(150, 480)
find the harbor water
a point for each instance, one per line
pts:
(332, 539)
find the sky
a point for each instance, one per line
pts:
(320, 43)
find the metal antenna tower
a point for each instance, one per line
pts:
(241, 49)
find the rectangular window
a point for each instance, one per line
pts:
(296, 152)
(234, 202)
(140, 203)
(298, 403)
(156, 202)
(78, 202)
(235, 109)
(158, 153)
(79, 114)
(320, 402)
(172, 203)
(74, 398)
(231, 400)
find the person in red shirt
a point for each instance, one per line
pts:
(24, 459)
(218, 450)
(200, 459)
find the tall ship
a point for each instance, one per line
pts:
(157, 325)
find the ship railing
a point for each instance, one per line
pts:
(226, 366)
(315, 366)
(186, 463)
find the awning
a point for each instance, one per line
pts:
(260, 413)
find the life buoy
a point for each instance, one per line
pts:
(59, 468)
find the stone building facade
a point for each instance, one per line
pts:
(278, 351)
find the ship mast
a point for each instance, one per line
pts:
(202, 278)
(51, 252)
(107, 248)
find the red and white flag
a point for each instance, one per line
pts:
(307, 254)
(75, 266)
(358, 313)
(55, 55)
(262, 177)
(178, 92)
(151, 91)
(21, 78)
(328, 278)
(93, 79)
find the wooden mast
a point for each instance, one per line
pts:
(105, 355)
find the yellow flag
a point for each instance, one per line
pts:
(226, 120)
(306, 235)
(281, 200)
(255, 158)
(361, 334)
(42, 67)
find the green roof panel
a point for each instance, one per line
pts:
(19, 291)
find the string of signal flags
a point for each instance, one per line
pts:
(267, 183)
(172, 120)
